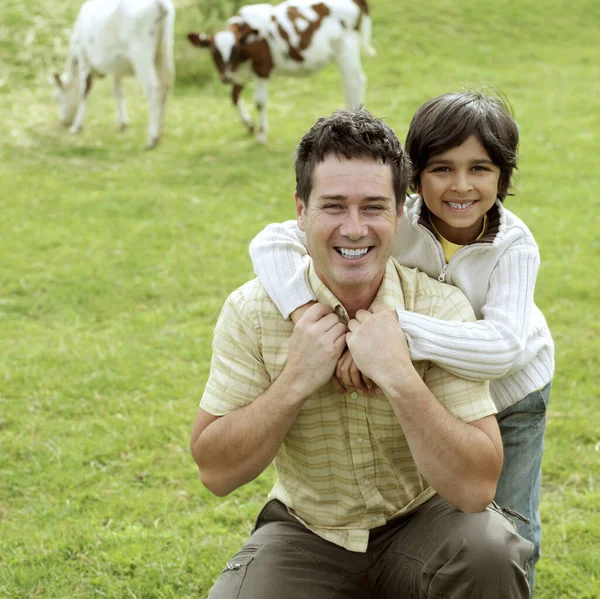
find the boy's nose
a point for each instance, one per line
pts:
(461, 183)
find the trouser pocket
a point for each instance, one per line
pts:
(229, 582)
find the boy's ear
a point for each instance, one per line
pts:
(300, 212)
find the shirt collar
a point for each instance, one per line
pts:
(389, 294)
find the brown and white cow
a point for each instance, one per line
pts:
(296, 37)
(119, 38)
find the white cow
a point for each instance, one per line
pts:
(296, 37)
(119, 38)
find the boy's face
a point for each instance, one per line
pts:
(459, 186)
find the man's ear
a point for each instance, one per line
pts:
(300, 212)
(199, 39)
(400, 213)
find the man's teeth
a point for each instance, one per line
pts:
(460, 206)
(353, 253)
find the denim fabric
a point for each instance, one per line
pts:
(522, 427)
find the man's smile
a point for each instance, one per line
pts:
(353, 253)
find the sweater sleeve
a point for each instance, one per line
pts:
(490, 348)
(280, 260)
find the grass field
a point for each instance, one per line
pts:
(114, 263)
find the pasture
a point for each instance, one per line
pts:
(114, 263)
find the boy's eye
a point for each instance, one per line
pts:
(440, 169)
(481, 167)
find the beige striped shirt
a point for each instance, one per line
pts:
(345, 466)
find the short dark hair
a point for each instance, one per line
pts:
(353, 133)
(448, 120)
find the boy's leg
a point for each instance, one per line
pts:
(522, 428)
(284, 560)
(441, 552)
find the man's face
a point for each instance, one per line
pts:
(350, 222)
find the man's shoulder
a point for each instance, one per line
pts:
(426, 295)
(252, 298)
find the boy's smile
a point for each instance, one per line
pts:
(459, 186)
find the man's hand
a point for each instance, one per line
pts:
(378, 345)
(316, 345)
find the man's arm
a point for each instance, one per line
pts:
(233, 449)
(461, 461)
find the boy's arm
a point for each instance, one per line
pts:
(490, 348)
(280, 260)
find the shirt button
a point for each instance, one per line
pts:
(374, 518)
(354, 395)
(359, 440)
(367, 482)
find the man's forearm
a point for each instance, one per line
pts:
(237, 447)
(460, 461)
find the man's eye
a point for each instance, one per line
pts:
(374, 208)
(332, 206)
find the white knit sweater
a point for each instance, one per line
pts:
(510, 344)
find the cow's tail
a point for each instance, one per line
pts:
(165, 59)
(365, 31)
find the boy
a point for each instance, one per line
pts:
(463, 147)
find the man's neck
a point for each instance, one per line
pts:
(357, 298)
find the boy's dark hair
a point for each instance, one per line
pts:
(448, 120)
(354, 133)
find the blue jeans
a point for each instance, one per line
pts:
(522, 427)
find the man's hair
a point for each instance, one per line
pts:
(447, 121)
(349, 134)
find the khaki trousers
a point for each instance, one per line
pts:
(436, 552)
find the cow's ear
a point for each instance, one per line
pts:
(56, 80)
(199, 39)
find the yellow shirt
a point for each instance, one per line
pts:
(345, 466)
(450, 248)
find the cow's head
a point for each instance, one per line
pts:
(229, 47)
(66, 93)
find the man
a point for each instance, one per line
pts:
(377, 495)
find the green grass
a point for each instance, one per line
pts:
(114, 263)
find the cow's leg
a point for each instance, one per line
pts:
(261, 97)
(236, 98)
(348, 59)
(120, 98)
(145, 70)
(85, 86)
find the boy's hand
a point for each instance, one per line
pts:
(351, 377)
(297, 314)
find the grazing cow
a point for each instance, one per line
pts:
(119, 38)
(295, 37)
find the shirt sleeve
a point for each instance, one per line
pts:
(237, 371)
(490, 348)
(280, 260)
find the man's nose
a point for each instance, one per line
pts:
(461, 183)
(353, 226)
